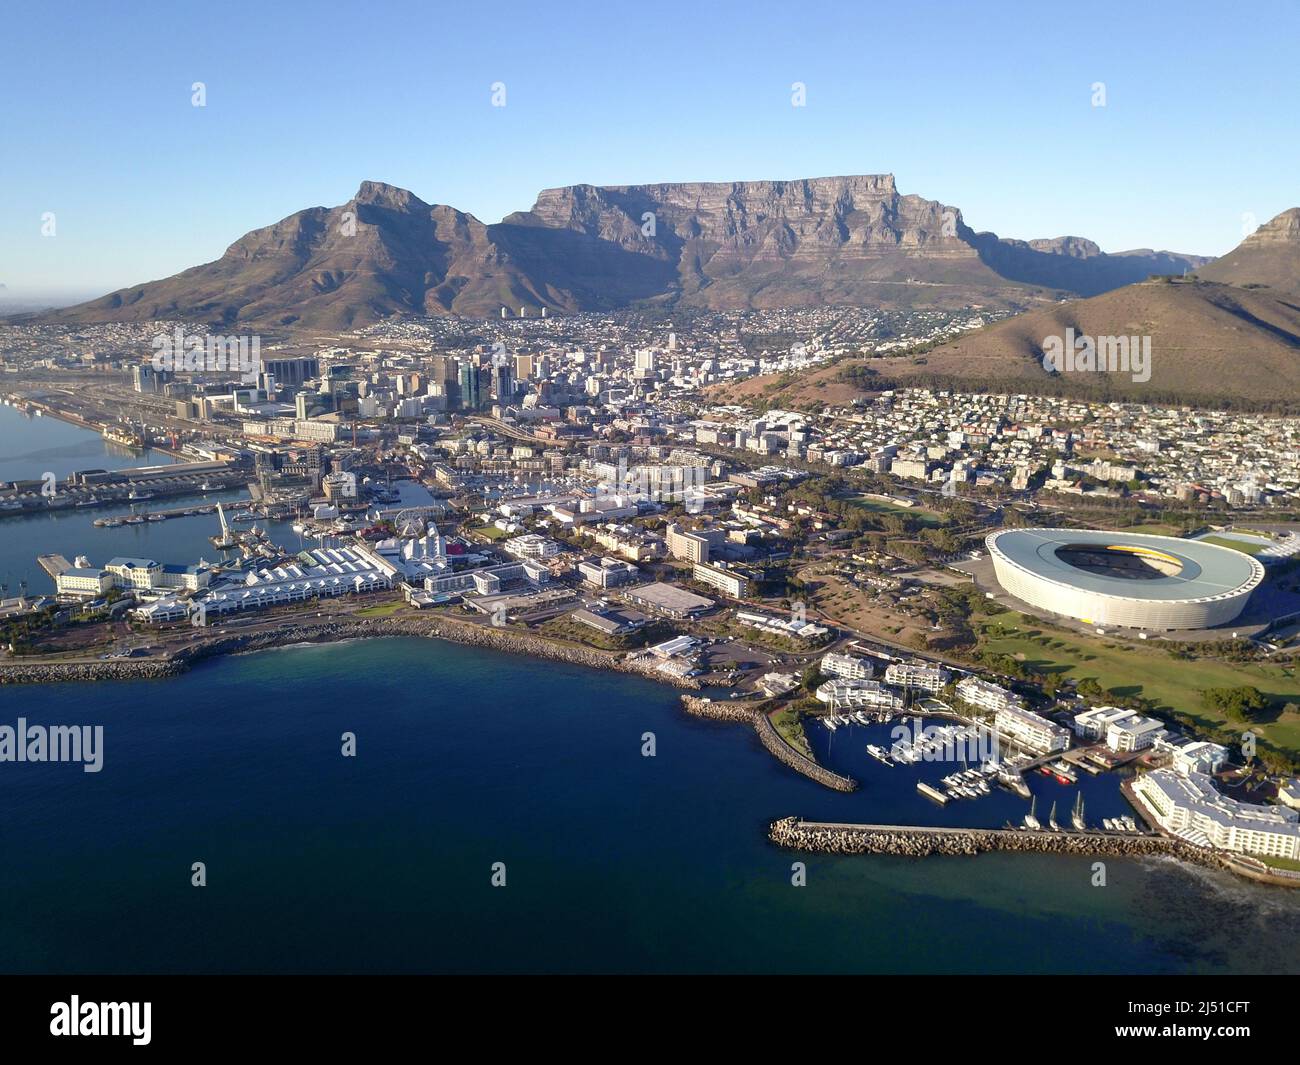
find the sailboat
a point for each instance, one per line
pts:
(1031, 822)
(1080, 825)
(1051, 819)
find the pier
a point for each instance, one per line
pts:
(918, 841)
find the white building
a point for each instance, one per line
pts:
(802, 630)
(1188, 805)
(1123, 730)
(857, 694)
(916, 675)
(986, 695)
(1030, 731)
(531, 545)
(846, 667)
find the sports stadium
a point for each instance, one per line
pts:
(1130, 580)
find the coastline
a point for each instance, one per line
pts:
(18, 672)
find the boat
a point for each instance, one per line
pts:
(134, 519)
(830, 723)
(1076, 818)
(137, 495)
(1031, 822)
(1051, 818)
(157, 517)
(1064, 773)
(91, 502)
(879, 754)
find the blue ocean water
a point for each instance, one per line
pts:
(613, 861)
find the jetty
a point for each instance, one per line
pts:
(917, 841)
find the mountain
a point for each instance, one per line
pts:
(721, 245)
(1270, 257)
(1229, 333)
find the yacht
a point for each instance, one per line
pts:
(1031, 822)
(879, 754)
(1076, 818)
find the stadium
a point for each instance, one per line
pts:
(1129, 580)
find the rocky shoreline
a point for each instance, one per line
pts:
(796, 834)
(18, 672)
(769, 737)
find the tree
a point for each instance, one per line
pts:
(1243, 703)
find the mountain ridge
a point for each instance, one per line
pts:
(851, 239)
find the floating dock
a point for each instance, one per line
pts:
(932, 793)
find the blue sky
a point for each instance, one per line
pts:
(985, 106)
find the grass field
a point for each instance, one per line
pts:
(1243, 546)
(1146, 671)
(879, 506)
(381, 610)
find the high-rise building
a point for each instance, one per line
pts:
(469, 386)
(503, 383)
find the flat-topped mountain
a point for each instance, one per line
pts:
(722, 245)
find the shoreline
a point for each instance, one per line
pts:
(18, 672)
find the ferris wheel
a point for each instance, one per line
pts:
(410, 523)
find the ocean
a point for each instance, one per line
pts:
(473, 765)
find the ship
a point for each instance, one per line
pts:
(1076, 818)
(1031, 822)
(124, 435)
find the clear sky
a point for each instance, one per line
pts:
(984, 106)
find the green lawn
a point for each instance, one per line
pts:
(1237, 545)
(879, 506)
(1146, 671)
(380, 610)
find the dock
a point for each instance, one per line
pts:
(932, 793)
(54, 565)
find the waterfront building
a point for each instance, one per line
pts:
(845, 667)
(916, 675)
(986, 695)
(1123, 730)
(858, 694)
(1201, 756)
(132, 575)
(1188, 805)
(1029, 730)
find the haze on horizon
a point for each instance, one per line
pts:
(995, 116)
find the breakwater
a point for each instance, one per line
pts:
(18, 671)
(920, 842)
(757, 718)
